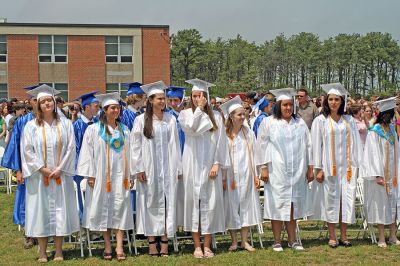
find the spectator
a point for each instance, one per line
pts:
(306, 109)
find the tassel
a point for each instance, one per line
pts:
(58, 181)
(348, 175)
(387, 189)
(394, 181)
(334, 170)
(233, 185)
(46, 181)
(126, 183)
(108, 184)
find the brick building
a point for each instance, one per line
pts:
(77, 58)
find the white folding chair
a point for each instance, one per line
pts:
(364, 227)
(89, 241)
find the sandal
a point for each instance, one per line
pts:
(153, 254)
(107, 256)
(42, 260)
(164, 254)
(208, 253)
(345, 243)
(198, 253)
(121, 257)
(333, 244)
(248, 247)
(233, 248)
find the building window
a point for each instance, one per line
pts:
(116, 87)
(3, 48)
(3, 91)
(52, 48)
(61, 87)
(119, 49)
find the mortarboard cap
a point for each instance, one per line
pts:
(386, 104)
(262, 103)
(87, 98)
(199, 85)
(108, 98)
(231, 105)
(43, 91)
(283, 94)
(133, 88)
(31, 87)
(154, 88)
(336, 89)
(175, 92)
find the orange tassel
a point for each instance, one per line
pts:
(334, 170)
(46, 181)
(58, 181)
(108, 184)
(394, 181)
(387, 189)
(126, 183)
(348, 175)
(233, 185)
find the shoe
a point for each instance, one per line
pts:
(107, 256)
(382, 244)
(42, 260)
(233, 248)
(121, 257)
(248, 247)
(344, 243)
(296, 246)
(153, 254)
(28, 243)
(277, 247)
(208, 253)
(198, 253)
(333, 244)
(394, 242)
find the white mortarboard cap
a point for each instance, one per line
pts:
(199, 85)
(231, 105)
(334, 88)
(218, 99)
(283, 94)
(43, 91)
(154, 88)
(386, 104)
(108, 98)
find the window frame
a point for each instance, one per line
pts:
(122, 90)
(7, 91)
(52, 55)
(6, 54)
(118, 55)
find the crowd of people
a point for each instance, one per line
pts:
(169, 157)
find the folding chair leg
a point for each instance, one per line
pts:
(134, 241)
(129, 242)
(251, 237)
(81, 242)
(298, 237)
(214, 243)
(88, 241)
(175, 242)
(260, 232)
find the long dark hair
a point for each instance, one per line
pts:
(326, 111)
(103, 120)
(277, 112)
(385, 117)
(148, 119)
(207, 110)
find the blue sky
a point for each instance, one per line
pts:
(255, 20)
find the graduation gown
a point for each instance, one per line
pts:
(258, 121)
(104, 209)
(180, 194)
(380, 205)
(203, 205)
(325, 197)
(12, 160)
(80, 127)
(242, 204)
(51, 210)
(288, 148)
(160, 159)
(128, 118)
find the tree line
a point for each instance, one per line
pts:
(365, 64)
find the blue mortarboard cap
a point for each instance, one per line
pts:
(87, 98)
(262, 103)
(175, 92)
(133, 88)
(122, 103)
(31, 87)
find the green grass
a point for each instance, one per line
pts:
(317, 250)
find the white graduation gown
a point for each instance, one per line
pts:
(242, 205)
(204, 205)
(288, 148)
(52, 210)
(104, 209)
(325, 197)
(160, 159)
(380, 206)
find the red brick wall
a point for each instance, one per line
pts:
(155, 52)
(86, 65)
(23, 67)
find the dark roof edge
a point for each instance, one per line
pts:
(81, 25)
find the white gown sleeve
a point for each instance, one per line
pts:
(372, 164)
(86, 167)
(317, 138)
(263, 138)
(194, 123)
(67, 164)
(174, 146)
(136, 162)
(221, 155)
(30, 159)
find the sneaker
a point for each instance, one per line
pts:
(277, 247)
(296, 246)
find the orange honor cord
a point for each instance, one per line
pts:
(333, 148)
(59, 148)
(255, 179)
(349, 171)
(126, 180)
(387, 166)
(108, 180)
(231, 146)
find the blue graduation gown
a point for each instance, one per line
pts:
(128, 117)
(12, 160)
(79, 129)
(258, 121)
(180, 131)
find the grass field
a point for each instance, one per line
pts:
(317, 250)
